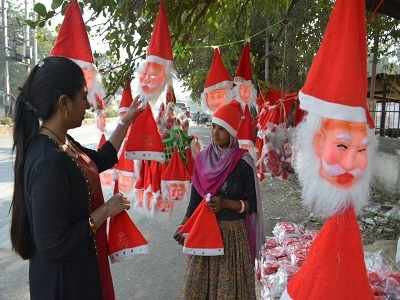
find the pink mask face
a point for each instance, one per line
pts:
(89, 75)
(152, 78)
(176, 191)
(215, 98)
(343, 150)
(245, 92)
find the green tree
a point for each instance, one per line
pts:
(294, 28)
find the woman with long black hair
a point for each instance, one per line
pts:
(58, 210)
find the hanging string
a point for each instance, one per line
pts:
(238, 41)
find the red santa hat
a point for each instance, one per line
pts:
(124, 238)
(124, 166)
(228, 116)
(244, 71)
(72, 42)
(335, 267)
(102, 141)
(336, 85)
(160, 46)
(189, 161)
(204, 238)
(246, 133)
(126, 99)
(144, 141)
(175, 173)
(218, 76)
(170, 96)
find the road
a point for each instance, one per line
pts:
(157, 275)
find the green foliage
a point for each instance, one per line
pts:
(295, 28)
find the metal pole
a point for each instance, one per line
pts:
(27, 41)
(266, 77)
(383, 104)
(35, 45)
(6, 83)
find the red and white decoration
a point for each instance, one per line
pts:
(204, 236)
(72, 42)
(124, 238)
(218, 80)
(144, 141)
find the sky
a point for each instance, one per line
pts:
(98, 45)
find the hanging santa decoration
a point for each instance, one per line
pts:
(335, 152)
(124, 238)
(218, 85)
(72, 42)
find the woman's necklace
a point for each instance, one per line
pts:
(66, 146)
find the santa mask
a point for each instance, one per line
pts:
(215, 98)
(342, 149)
(176, 191)
(94, 86)
(152, 79)
(333, 162)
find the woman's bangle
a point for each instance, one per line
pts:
(243, 207)
(92, 225)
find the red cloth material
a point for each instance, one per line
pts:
(91, 173)
(160, 43)
(244, 70)
(334, 268)
(126, 99)
(72, 39)
(246, 131)
(217, 73)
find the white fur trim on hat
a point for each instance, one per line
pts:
(126, 254)
(331, 110)
(203, 251)
(224, 124)
(227, 84)
(145, 155)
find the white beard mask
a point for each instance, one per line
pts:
(319, 195)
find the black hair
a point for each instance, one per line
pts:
(37, 100)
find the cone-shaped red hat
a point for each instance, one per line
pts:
(72, 39)
(160, 43)
(218, 75)
(245, 133)
(170, 96)
(124, 165)
(102, 141)
(244, 71)
(175, 170)
(336, 85)
(205, 237)
(228, 116)
(144, 140)
(126, 99)
(335, 267)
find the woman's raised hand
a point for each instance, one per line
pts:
(116, 204)
(136, 107)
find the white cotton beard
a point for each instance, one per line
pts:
(319, 195)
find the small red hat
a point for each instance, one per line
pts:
(124, 166)
(124, 238)
(336, 85)
(204, 238)
(245, 134)
(244, 71)
(72, 39)
(218, 76)
(187, 227)
(170, 96)
(102, 141)
(335, 267)
(126, 99)
(175, 173)
(160, 46)
(144, 140)
(228, 116)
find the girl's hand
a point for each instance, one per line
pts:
(135, 108)
(117, 204)
(216, 204)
